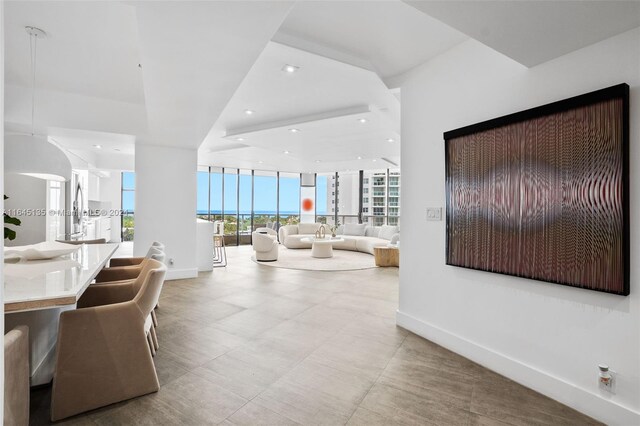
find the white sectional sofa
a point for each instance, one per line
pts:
(357, 237)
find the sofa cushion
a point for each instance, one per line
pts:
(355, 229)
(366, 244)
(308, 228)
(349, 243)
(295, 241)
(387, 231)
(372, 231)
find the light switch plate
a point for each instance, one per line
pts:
(434, 213)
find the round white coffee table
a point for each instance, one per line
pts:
(322, 247)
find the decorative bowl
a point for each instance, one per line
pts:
(40, 251)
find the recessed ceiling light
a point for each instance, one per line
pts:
(391, 140)
(239, 139)
(249, 111)
(260, 161)
(317, 161)
(362, 120)
(98, 146)
(286, 152)
(294, 130)
(359, 158)
(374, 160)
(290, 68)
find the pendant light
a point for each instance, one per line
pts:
(33, 155)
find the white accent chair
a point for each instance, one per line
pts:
(265, 244)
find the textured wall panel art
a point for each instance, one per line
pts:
(543, 193)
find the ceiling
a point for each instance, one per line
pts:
(91, 48)
(323, 99)
(194, 55)
(388, 35)
(533, 32)
(182, 73)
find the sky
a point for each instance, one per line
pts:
(265, 196)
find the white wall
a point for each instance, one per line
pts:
(546, 336)
(111, 192)
(26, 192)
(165, 207)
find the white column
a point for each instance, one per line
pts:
(165, 206)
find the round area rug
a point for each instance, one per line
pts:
(342, 260)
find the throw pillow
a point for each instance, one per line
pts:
(308, 228)
(387, 231)
(354, 229)
(372, 231)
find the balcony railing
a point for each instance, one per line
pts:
(238, 229)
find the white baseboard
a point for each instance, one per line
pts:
(578, 398)
(181, 274)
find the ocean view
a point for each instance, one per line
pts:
(248, 212)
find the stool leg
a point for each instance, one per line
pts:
(150, 342)
(154, 318)
(154, 338)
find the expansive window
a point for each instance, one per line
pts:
(202, 204)
(215, 194)
(128, 205)
(245, 206)
(265, 199)
(325, 198)
(249, 199)
(348, 188)
(381, 197)
(230, 205)
(289, 199)
(393, 200)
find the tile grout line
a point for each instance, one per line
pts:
(377, 378)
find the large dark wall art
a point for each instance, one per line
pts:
(543, 193)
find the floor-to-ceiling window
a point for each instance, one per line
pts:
(230, 205)
(128, 205)
(324, 198)
(202, 203)
(393, 200)
(265, 199)
(289, 200)
(348, 187)
(245, 206)
(245, 200)
(215, 193)
(381, 197)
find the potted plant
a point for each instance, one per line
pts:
(8, 220)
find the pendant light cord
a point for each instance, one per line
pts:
(33, 48)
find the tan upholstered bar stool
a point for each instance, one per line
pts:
(16, 376)
(103, 355)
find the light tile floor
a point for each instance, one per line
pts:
(251, 345)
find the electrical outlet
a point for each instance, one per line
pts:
(609, 384)
(434, 213)
(171, 261)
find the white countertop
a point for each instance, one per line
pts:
(41, 284)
